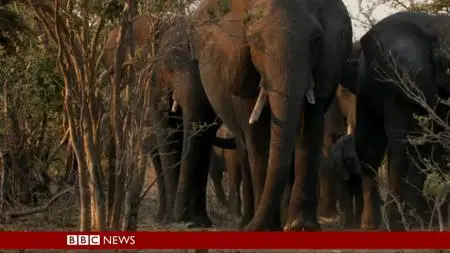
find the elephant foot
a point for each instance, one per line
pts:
(368, 226)
(329, 219)
(308, 225)
(167, 219)
(200, 221)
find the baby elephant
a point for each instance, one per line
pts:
(345, 164)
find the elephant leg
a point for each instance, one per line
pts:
(256, 151)
(247, 189)
(284, 213)
(358, 200)
(191, 193)
(346, 204)
(308, 148)
(161, 187)
(234, 173)
(215, 173)
(199, 129)
(328, 188)
(256, 146)
(151, 146)
(370, 144)
(405, 178)
(169, 142)
(448, 213)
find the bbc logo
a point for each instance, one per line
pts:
(83, 240)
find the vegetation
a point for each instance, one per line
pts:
(66, 130)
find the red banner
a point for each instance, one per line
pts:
(224, 240)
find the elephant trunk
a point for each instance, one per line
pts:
(286, 106)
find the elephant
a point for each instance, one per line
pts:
(226, 160)
(346, 168)
(266, 68)
(171, 103)
(399, 51)
(340, 119)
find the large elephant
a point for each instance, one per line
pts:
(171, 102)
(402, 50)
(290, 53)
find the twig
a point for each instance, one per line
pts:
(18, 214)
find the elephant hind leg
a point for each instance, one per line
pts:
(215, 173)
(370, 144)
(169, 142)
(234, 179)
(247, 189)
(161, 188)
(302, 214)
(327, 185)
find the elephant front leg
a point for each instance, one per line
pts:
(345, 204)
(161, 188)
(215, 173)
(358, 198)
(328, 187)
(370, 145)
(304, 196)
(190, 205)
(169, 140)
(247, 189)
(234, 180)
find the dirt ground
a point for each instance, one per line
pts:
(63, 216)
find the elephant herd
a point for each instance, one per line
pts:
(310, 115)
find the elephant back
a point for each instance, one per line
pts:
(144, 29)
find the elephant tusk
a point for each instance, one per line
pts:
(257, 109)
(349, 129)
(310, 97)
(174, 106)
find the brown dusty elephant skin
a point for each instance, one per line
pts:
(274, 45)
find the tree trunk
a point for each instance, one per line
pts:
(133, 195)
(116, 121)
(5, 163)
(111, 177)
